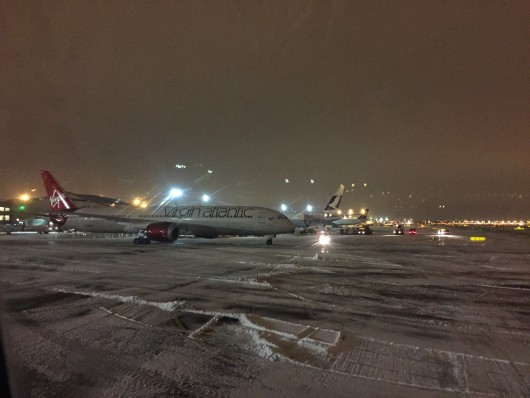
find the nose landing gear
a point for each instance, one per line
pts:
(269, 239)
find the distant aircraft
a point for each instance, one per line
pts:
(359, 219)
(354, 224)
(330, 212)
(165, 223)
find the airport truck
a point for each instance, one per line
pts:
(398, 229)
(356, 230)
(36, 225)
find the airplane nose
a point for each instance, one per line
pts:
(282, 225)
(289, 226)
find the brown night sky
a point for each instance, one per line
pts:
(428, 102)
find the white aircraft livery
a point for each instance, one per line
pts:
(353, 220)
(334, 202)
(330, 212)
(164, 223)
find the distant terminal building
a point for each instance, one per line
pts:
(13, 210)
(5, 211)
(17, 216)
(22, 215)
(10, 210)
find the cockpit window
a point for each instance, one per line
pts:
(281, 217)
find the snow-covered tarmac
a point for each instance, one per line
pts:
(378, 315)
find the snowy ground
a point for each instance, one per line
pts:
(377, 315)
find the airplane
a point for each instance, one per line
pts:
(353, 220)
(24, 215)
(355, 224)
(330, 212)
(165, 223)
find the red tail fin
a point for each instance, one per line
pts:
(59, 200)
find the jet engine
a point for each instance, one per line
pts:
(162, 231)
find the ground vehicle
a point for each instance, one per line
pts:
(38, 225)
(412, 231)
(362, 230)
(398, 229)
(443, 231)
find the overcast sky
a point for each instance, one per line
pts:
(428, 102)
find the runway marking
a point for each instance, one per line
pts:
(359, 356)
(124, 317)
(370, 358)
(228, 279)
(168, 306)
(502, 287)
(206, 326)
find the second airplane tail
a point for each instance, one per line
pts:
(334, 202)
(59, 199)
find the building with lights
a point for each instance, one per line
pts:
(5, 212)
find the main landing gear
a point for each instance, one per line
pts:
(269, 239)
(142, 238)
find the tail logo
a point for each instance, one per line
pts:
(57, 198)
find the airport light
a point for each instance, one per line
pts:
(350, 212)
(283, 206)
(309, 208)
(175, 193)
(312, 181)
(287, 181)
(205, 198)
(324, 239)
(363, 211)
(210, 171)
(24, 197)
(138, 202)
(180, 166)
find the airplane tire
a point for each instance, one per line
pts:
(269, 242)
(136, 241)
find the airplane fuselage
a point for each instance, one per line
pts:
(199, 220)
